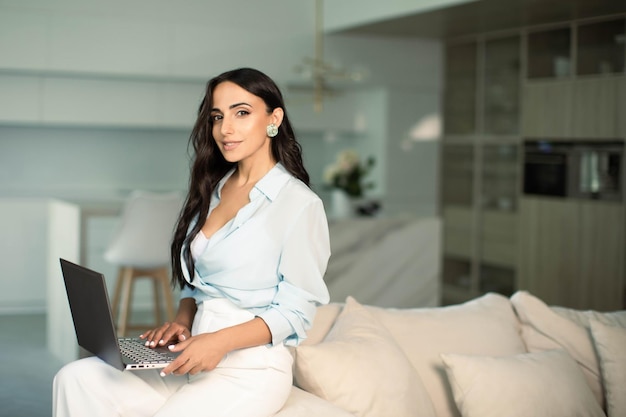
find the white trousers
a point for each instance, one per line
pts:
(248, 382)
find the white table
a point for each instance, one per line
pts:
(35, 234)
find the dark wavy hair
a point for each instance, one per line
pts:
(208, 166)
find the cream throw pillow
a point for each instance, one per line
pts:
(546, 383)
(584, 317)
(360, 368)
(486, 325)
(610, 342)
(543, 329)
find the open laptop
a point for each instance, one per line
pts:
(93, 322)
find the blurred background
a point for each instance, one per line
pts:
(98, 100)
(503, 120)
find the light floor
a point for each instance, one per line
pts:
(26, 367)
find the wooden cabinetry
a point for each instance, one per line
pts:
(602, 257)
(499, 240)
(572, 252)
(582, 108)
(479, 201)
(480, 253)
(480, 164)
(457, 196)
(460, 91)
(621, 108)
(548, 246)
(549, 53)
(600, 47)
(501, 85)
(564, 82)
(594, 111)
(575, 98)
(547, 108)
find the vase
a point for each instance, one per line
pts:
(341, 205)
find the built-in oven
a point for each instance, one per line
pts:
(581, 169)
(545, 168)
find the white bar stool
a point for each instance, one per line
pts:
(141, 249)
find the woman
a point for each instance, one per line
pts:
(249, 254)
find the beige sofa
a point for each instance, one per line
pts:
(492, 356)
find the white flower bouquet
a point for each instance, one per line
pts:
(347, 173)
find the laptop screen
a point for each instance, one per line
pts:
(91, 312)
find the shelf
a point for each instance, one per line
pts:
(598, 50)
(121, 102)
(457, 237)
(455, 295)
(572, 85)
(457, 272)
(601, 47)
(500, 177)
(457, 174)
(502, 85)
(497, 279)
(460, 92)
(549, 53)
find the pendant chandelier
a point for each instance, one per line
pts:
(319, 72)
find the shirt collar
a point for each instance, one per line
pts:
(220, 185)
(272, 182)
(270, 185)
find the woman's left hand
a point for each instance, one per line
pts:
(204, 352)
(198, 353)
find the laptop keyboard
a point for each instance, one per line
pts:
(136, 350)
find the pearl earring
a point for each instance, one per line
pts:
(272, 130)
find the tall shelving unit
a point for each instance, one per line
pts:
(480, 166)
(572, 251)
(563, 82)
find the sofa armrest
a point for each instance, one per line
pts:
(304, 404)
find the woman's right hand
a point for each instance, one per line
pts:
(168, 333)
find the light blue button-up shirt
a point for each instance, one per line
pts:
(270, 259)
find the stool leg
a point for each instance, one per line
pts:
(117, 293)
(167, 294)
(156, 300)
(126, 297)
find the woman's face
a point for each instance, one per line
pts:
(240, 121)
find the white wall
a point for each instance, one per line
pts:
(413, 165)
(90, 164)
(95, 168)
(97, 99)
(35, 233)
(67, 62)
(53, 100)
(343, 14)
(155, 38)
(320, 147)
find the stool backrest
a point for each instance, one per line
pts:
(145, 230)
